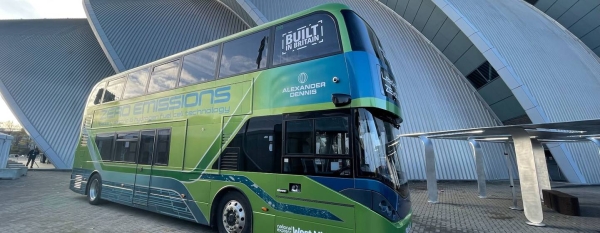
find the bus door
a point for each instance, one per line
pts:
(316, 166)
(144, 168)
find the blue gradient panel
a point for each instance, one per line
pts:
(364, 76)
(164, 196)
(380, 192)
(379, 187)
(301, 210)
(337, 184)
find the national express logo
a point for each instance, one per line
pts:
(293, 229)
(188, 104)
(303, 89)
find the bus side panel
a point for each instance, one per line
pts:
(263, 222)
(200, 135)
(289, 225)
(304, 86)
(178, 145)
(200, 191)
(79, 179)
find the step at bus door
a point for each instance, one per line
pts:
(144, 167)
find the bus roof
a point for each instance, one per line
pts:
(330, 7)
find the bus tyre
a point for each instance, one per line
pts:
(234, 214)
(94, 189)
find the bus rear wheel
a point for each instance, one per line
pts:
(94, 189)
(234, 214)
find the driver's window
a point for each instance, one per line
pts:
(299, 135)
(332, 136)
(318, 146)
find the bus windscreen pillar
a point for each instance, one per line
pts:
(596, 141)
(540, 165)
(528, 178)
(515, 204)
(479, 166)
(432, 190)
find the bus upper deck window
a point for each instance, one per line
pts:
(309, 37)
(164, 77)
(96, 95)
(244, 54)
(199, 67)
(114, 90)
(136, 84)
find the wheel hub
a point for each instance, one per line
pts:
(93, 190)
(234, 217)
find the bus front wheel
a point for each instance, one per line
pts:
(94, 189)
(234, 214)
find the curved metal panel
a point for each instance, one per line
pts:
(246, 11)
(543, 64)
(140, 32)
(581, 17)
(48, 69)
(434, 94)
(113, 58)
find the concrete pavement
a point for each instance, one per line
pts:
(42, 202)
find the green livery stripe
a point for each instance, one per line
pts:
(378, 103)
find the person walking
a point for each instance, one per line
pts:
(32, 154)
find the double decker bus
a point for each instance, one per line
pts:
(288, 127)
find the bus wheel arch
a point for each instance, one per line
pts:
(89, 179)
(233, 194)
(94, 189)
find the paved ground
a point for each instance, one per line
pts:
(42, 202)
(460, 210)
(37, 165)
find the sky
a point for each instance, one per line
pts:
(36, 9)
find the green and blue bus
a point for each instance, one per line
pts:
(288, 127)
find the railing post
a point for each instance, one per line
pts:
(528, 177)
(479, 165)
(509, 166)
(540, 166)
(432, 190)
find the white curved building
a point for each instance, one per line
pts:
(459, 64)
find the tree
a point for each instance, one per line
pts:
(21, 141)
(9, 126)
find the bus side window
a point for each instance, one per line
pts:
(146, 147)
(114, 90)
(332, 136)
(299, 137)
(104, 142)
(199, 67)
(126, 147)
(245, 54)
(163, 144)
(262, 145)
(164, 77)
(136, 84)
(256, 147)
(318, 146)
